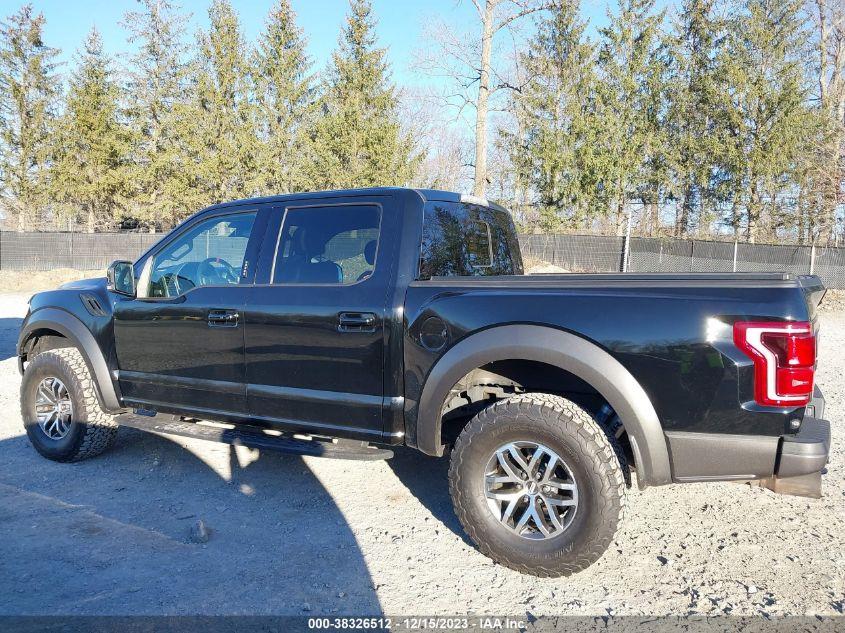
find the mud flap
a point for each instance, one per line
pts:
(800, 486)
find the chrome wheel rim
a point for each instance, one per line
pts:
(530, 490)
(53, 408)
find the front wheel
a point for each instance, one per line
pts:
(59, 406)
(538, 485)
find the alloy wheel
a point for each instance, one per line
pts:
(53, 408)
(530, 490)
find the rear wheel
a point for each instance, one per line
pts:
(59, 406)
(538, 484)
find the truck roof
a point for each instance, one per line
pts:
(425, 194)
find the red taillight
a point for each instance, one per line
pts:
(784, 355)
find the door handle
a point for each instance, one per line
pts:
(356, 322)
(223, 318)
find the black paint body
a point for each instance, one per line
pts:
(288, 362)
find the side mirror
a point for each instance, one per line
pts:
(121, 278)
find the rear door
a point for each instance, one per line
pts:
(315, 320)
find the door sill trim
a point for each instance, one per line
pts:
(309, 428)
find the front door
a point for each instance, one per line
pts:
(315, 321)
(179, 344)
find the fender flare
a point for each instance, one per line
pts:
(561, 349)
(75, 331)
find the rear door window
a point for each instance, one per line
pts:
(333, 244)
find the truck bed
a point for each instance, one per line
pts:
(660, 326)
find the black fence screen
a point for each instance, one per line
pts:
(596, 253)
(572, 253)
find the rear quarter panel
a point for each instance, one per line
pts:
(674, 336)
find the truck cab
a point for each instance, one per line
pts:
(286, 312)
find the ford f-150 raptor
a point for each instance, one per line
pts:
(343, 323)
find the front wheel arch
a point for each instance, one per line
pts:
(570, 352)
(54, 321)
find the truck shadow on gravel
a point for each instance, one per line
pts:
(113, 535)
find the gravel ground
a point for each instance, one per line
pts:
(307, 536)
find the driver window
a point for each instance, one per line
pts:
(209, 254)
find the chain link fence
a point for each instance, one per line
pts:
(574, 253)
(39, 251)
(593, 254)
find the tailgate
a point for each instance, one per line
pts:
(813, 290)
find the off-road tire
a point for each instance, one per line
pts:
(594, 457)
(92, 430)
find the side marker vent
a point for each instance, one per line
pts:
(92, 304)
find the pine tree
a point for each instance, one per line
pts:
(90, 160)
(163, 191)
(222, 122)
(767, 110)
(630, 143)
(695, 124)
(28, 91)
(283, 94)
(357, 142)
(555, 118)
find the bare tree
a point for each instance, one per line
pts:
(468, 60)
(830, 22)
(442, 147)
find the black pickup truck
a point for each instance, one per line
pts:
(343, 323)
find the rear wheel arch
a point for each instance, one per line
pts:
(55, 323)
(564, 350)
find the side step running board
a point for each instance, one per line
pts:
(255, 438)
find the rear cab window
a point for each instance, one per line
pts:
(468, 240)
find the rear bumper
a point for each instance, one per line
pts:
(806, 452)
(801, 460)
(726, 457)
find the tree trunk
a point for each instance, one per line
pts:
(24, 206)
(801, 216)
(646, 223)
(620, 216)
(480, 185)
(22, 223)
(682, 226)
(753, 214)
(832, 181)
(735, 216)
(92, 219)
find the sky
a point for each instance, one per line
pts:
(400, 23)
